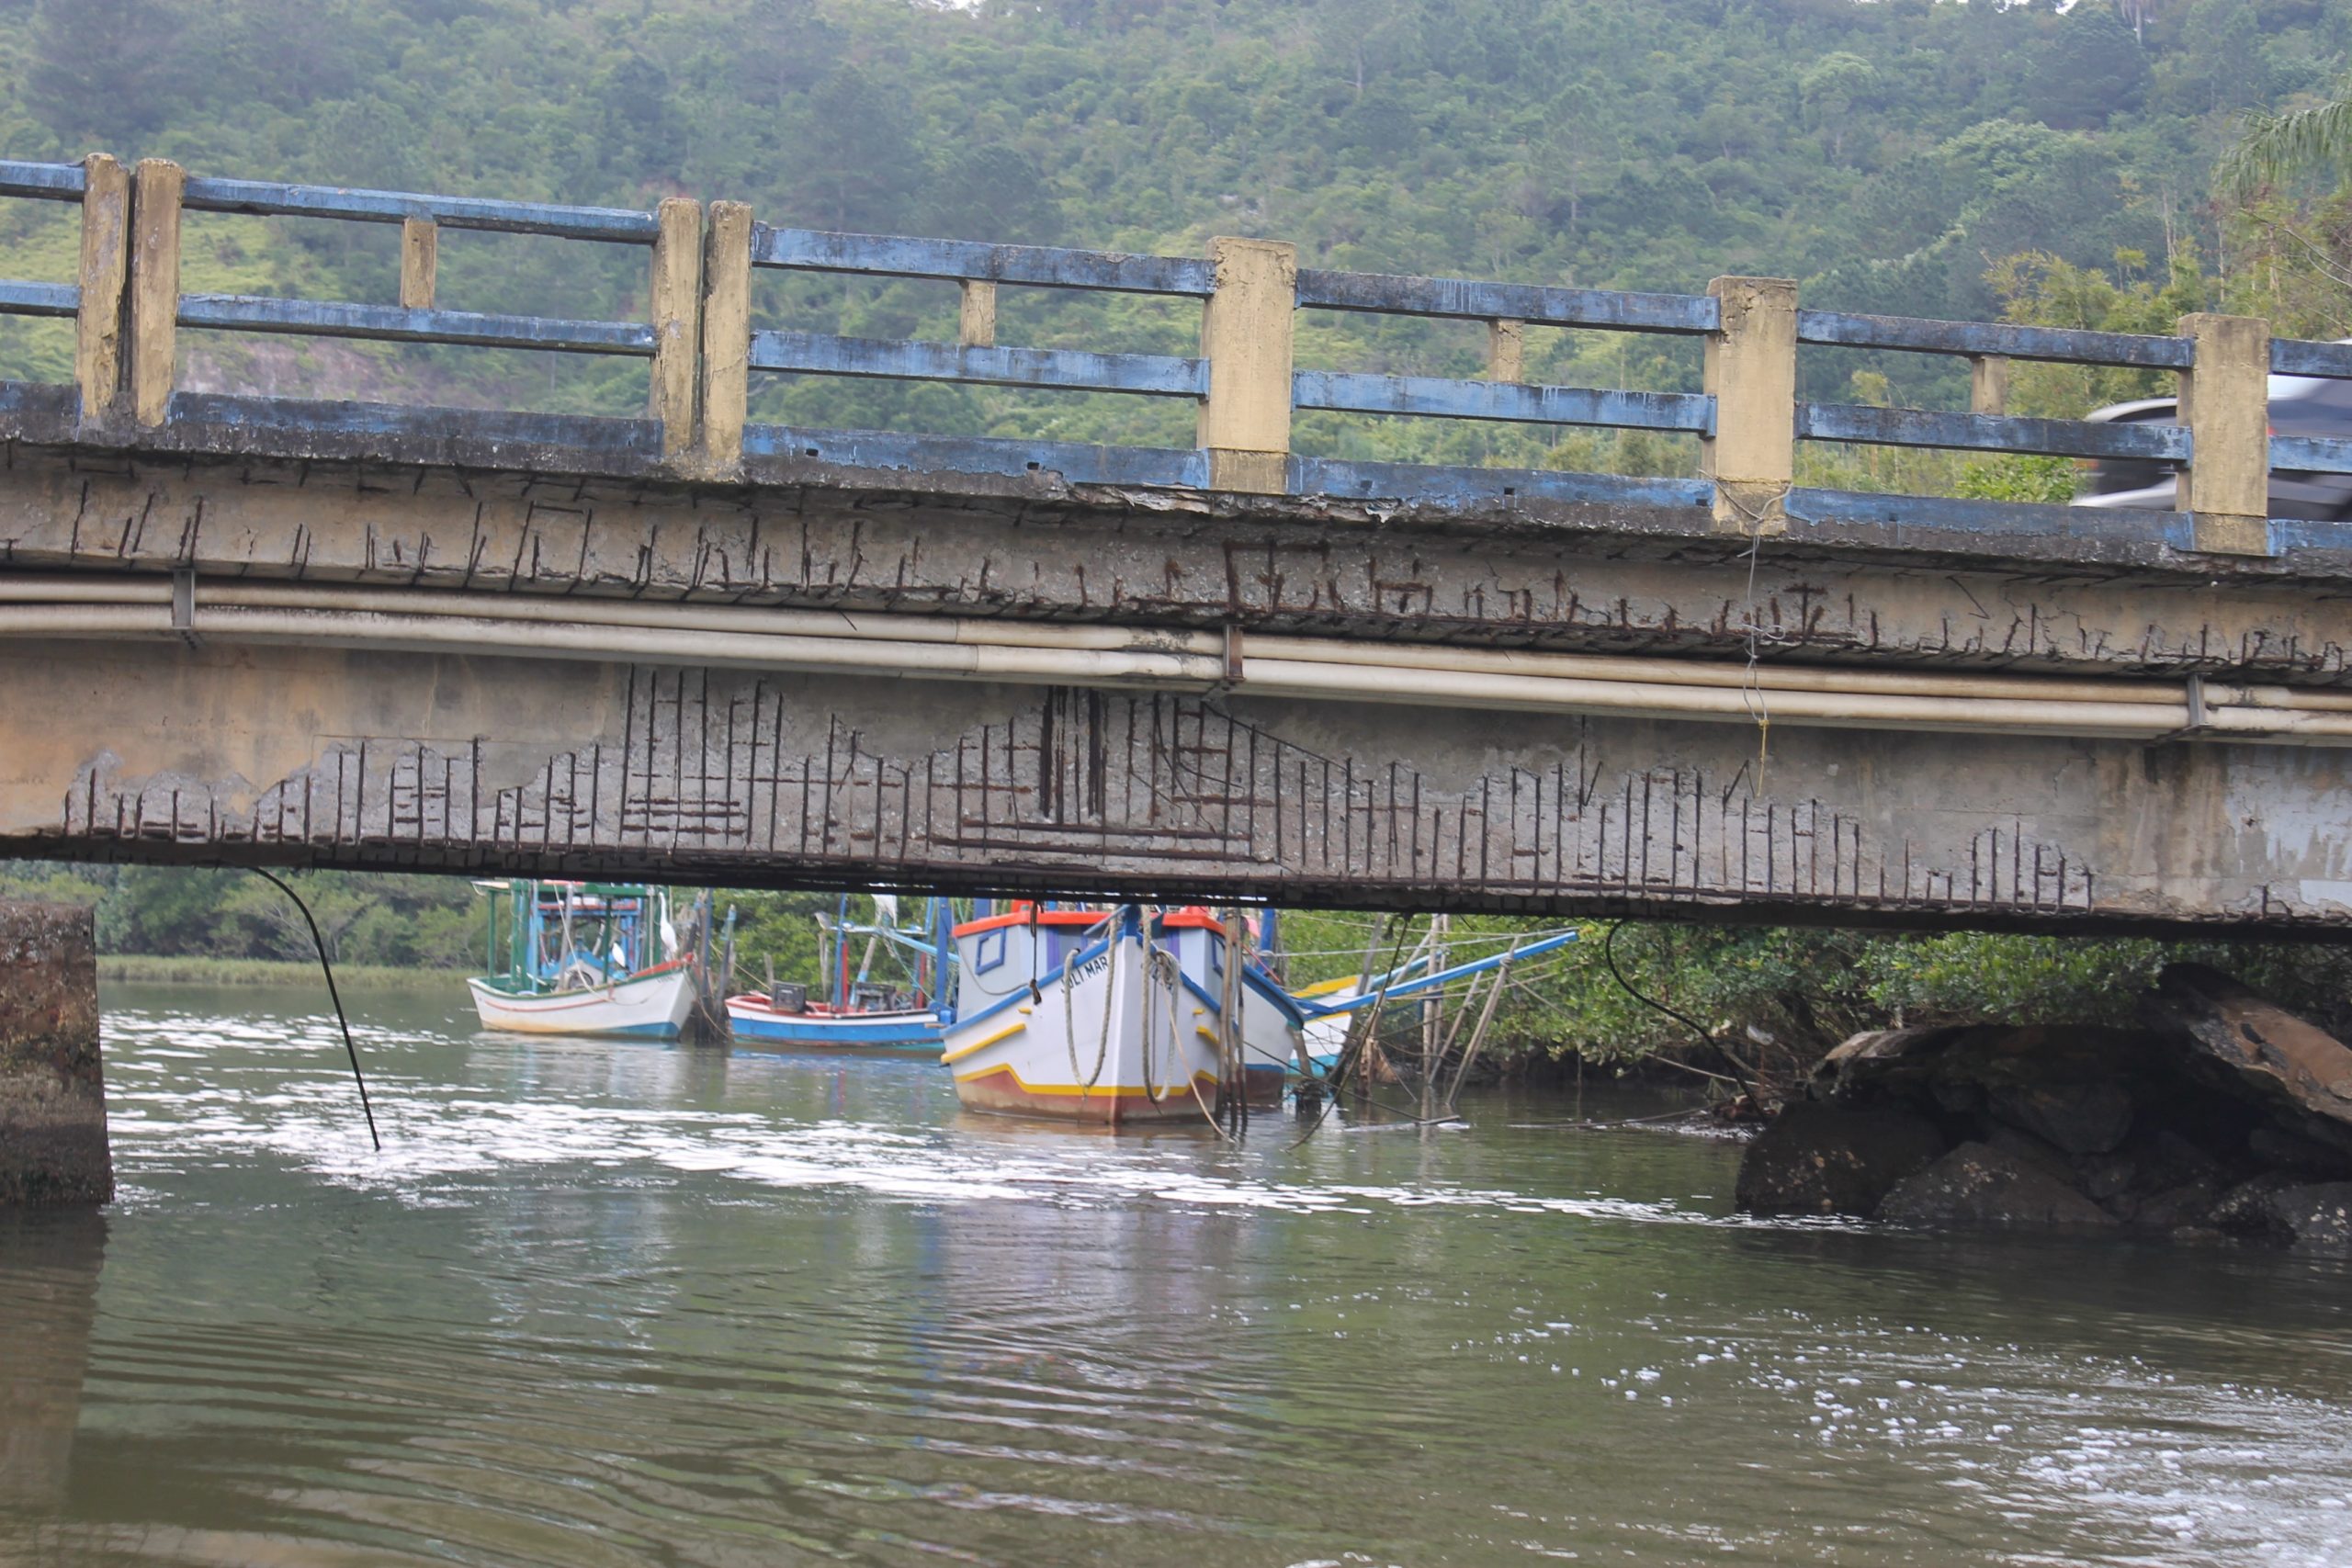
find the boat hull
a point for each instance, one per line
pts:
(1108, 1040)
(652, 1005)
(756, 1023)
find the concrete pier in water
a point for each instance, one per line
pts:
(53, 1148)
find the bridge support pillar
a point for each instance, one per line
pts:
(54, 1149)
(2224, 401)
(1751, 368)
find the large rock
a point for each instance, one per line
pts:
(1977, 1184)
(1832, 1159)
(1954, 1064)
(2317, 1215)
(2080, 1118)
(2300, 1073)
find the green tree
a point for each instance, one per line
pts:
(1831, 89)
(2091, 69)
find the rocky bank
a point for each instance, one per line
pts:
(2219, 1114)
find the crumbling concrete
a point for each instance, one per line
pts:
(53, 1148)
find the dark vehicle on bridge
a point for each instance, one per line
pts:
(2299, 405)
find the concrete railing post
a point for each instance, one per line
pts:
(2225, 403)
(975, 314)
(420, 263)
(1988, 383)
(677, 322)
(1751, 370)
(52, 1098)
(1506, 350)
(725, 336)
(155, 188)
(1246, 335)
(105, 266)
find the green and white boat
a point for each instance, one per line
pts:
(585, 958)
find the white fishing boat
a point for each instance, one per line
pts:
(1109, 1016)
(585, 958)
(655, 1003)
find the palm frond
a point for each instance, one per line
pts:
(2274, 148)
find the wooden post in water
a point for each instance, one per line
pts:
(1232, 1099)
(1433, 1014)
(1485, 1017)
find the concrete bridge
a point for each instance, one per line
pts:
(690, 646)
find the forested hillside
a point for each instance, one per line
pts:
(1890, 154)
(1889, 149)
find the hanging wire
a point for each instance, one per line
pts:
(334, 996)
(1745, 1074)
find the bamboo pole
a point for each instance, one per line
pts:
(1485, 1017)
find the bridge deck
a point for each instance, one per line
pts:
(695, 646)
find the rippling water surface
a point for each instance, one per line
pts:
(608, 1302)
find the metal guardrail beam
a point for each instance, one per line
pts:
(392, 323)
(2300, 357)
(2065, 344)
(824, 355)
(1991, 432)
(2311, 454)
(892, 256)
(262, 197)
(56, 182)
(1463, 298)
(20, 298)
(1437, 396)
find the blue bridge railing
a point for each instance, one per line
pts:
(701, 345)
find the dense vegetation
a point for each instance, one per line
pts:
(1915, 155)
(1894, 156)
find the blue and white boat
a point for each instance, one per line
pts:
(860, 1010)
(1109, 1015)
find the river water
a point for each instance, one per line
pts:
(615, 1304)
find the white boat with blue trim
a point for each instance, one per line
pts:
(1111, 1016)
(585, 958)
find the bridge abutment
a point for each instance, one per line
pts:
(53, 1151)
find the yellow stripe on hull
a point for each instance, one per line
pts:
(963, 1051)
(1101, 1089)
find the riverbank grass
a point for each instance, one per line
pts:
(151, 969)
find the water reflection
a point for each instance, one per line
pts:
(49, 1299)
(612, 1303)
